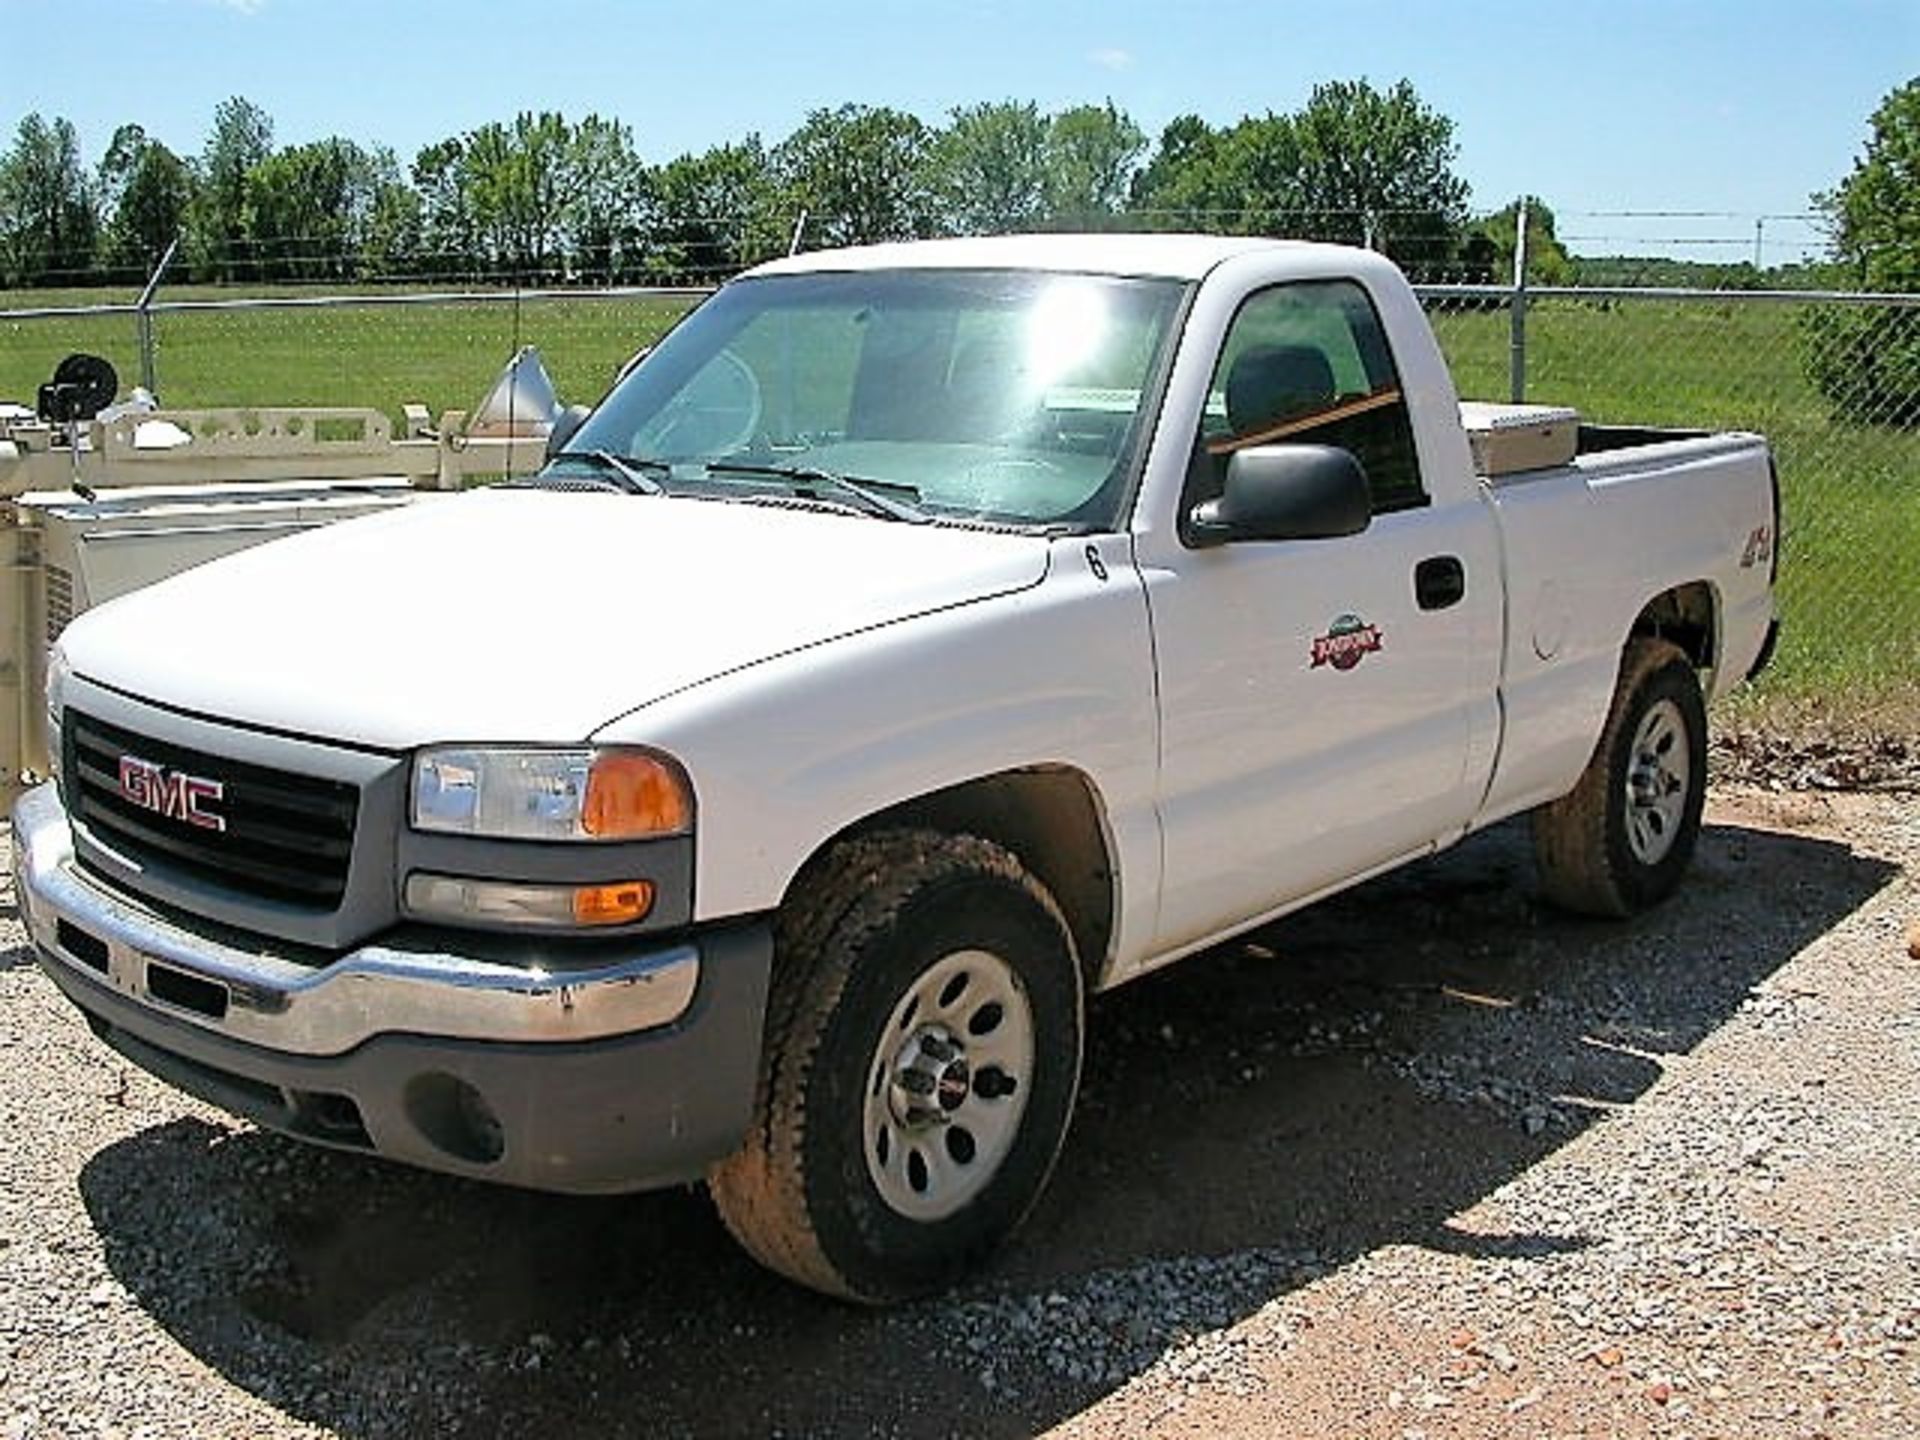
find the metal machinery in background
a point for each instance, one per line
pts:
(98, 499)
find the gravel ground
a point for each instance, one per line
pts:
(1430, 1160)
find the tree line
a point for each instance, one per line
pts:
(543, 198)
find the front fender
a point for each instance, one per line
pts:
(787, 753)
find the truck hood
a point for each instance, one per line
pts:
(522, 615)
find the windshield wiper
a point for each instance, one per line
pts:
(627, 471)
(872, 494)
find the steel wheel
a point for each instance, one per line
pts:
(922, 1053)
(949, 1082)
(1657, 783)
(1620, 840)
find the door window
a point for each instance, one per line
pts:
(1309, 363)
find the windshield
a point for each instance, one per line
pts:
(1010, 397)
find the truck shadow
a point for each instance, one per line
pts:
(1351, 1078)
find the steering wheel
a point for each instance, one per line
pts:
(717, 411)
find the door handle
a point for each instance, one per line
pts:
(1439, 581)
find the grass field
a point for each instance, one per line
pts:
(1850, 587)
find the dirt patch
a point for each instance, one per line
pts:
(1735, 1252)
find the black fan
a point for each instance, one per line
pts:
(82, 386)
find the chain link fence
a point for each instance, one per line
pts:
(1832, 380)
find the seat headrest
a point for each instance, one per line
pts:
(1270, 384)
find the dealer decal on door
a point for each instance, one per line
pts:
(1348, 641)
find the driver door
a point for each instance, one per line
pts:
(1319, 697)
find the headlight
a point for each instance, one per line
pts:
(57, 672)
(523, 794)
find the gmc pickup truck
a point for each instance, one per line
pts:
(919, 640)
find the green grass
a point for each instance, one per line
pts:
(444, 356)
(1850, 578)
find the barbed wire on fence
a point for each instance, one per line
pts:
(1738, 248)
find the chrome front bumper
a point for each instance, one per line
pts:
(297, 1008)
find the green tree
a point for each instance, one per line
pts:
(1091, 154)
(448, 237)
(48, 225)
(329, 210)
(1258, 169)
(1181, 177)
(1874, 213)
(607, 213)
(860, 173)
(1244, 179)
(713, 213)
(542, 191)
(988, 169)
(1547, 260)
(152, 192)
(116, 169)
(218, 224)
(541, 197)
(517, 183)
(391, 240)
(1354, 164)
(1866, 361)
(1378, 168)
(305, 208)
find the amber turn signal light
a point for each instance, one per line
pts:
(624, 903)
(630, 795)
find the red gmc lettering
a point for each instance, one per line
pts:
(175, 795)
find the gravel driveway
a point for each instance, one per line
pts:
(1431, 1160)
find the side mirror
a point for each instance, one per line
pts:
(564, 425)
(1285, 492)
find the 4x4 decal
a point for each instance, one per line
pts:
(1348, 641)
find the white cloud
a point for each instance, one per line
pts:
(1112, 58)
(239, 7)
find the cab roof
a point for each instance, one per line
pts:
(1176, 257)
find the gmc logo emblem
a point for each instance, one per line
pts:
(171, 793)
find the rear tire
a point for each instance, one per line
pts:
(1622, 838)
(919, 1068)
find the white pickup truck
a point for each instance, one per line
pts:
(920, 639)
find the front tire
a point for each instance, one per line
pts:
(919, 1068)
(1622, 838)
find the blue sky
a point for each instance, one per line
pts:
(1741, 109)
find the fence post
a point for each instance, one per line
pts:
(143, 320)
(1517, 318)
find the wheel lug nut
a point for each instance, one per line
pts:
(992, 1084)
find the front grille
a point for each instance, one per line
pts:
(288, 837)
